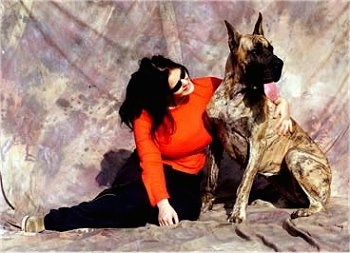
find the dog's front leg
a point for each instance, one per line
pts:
(239, 210)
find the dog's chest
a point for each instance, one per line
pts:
(231, 113)
(235, 110)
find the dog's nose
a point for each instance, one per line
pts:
(277, 62)
(277, 65)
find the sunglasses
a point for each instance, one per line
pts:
(179, 83)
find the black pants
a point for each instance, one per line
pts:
(126, 203)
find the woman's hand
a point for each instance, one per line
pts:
(284, 124)
(167, 215)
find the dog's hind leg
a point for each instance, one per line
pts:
(312, 172)
(213, 165)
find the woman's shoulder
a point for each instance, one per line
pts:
(144, 117)
(206, 85)
(207, 80)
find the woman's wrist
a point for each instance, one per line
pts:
(163, 203)
(285, 113)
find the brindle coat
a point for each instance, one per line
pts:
(243, 119)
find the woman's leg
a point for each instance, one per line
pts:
(125, 206)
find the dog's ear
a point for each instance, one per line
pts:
(233, 37)
(258, 29)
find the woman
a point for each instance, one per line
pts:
(165, 109)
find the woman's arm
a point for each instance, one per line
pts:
(150, 160)
(153, 171)
(284, 124)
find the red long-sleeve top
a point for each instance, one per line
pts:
(184, 149)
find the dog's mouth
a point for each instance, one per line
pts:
(271, 91)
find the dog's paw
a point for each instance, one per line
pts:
(207, 205)
(262, 203)
(237, 216)
(304, 212)
(208, 200)
(300, 213)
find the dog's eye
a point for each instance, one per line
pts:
(254, 52)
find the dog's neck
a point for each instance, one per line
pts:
(238, 86)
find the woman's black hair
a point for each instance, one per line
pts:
(148, 89)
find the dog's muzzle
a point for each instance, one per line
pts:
(266, 71)
(276, 69)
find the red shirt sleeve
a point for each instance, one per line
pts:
(210, 84)
(150, 160)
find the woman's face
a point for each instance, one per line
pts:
(180, 83)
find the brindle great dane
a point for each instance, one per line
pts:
(243, 120)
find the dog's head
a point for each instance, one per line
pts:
(253, 55)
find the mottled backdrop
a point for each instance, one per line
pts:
(65, 65)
